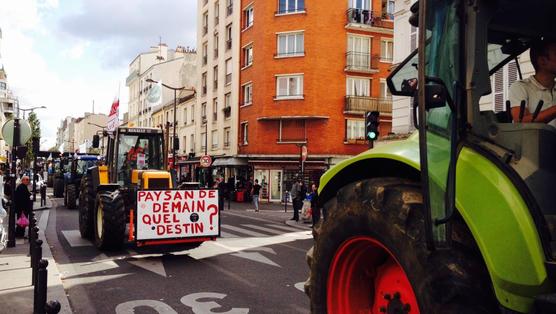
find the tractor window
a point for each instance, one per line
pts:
(83, 165)
(138, 151)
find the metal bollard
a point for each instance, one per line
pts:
(40, 288)
(52, 307)
(33, 235)
(35, 259)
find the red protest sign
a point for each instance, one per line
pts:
(177, 214)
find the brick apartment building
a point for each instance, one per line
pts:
(308, 72)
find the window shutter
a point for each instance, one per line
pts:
(499, 90)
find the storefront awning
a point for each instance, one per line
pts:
(273, 118)
(231, 161)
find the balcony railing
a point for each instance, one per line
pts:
(368, 17)
(358, 61)
(228, 44)
(362, 104)
(228, 78)
(229, 10)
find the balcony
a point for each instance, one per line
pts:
(228, 78)
(8, 107)
(362, 62)
(362, 104)
(228, 44)
(368, 18)
(133, 75)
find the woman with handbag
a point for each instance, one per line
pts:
(22, 206)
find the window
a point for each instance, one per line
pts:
(501, 82)
(358, 87)
(244, 133)
(355, 129)
(388, 9)
(360, 4)
(184, 118)
(216, 12)
(205, 53)
(292, 131)
(227, 137)
(227, 105)
(228, 71)
(205, 23)
(214, 139)
(386, 50)
(290, 6)
(248, 56)
(192, 113)
(289, 86)
(192, 142)
(413, 37)
(204, 83)
(215, 46)
(230, 7)
(2, 86)
(359, 52)
(229, 37)
(203, 141)
(248, 15)
(204, 111)
(247, 94)
(291, 44)
(214, 110)
(384, 91)
(184, 144)
(215, 77)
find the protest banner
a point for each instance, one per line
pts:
(177, 214)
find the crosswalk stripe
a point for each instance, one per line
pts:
(244, 231)
(286, 228)
(272, 231)
(224, 234)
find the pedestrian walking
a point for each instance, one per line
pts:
(298, 194)
(315, 209)
(221, 186)
(23, 204)
(43, 194)
(255, 192)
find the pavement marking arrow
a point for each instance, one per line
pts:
(300, 286)
(152, 264)
(258, 257)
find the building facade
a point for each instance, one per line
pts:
(85, 128)
(8, 103)
(175, 68)
(65, 135)
(216, 110)
(308, 73)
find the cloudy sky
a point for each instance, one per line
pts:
(64, 54)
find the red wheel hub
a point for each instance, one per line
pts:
(365, 277)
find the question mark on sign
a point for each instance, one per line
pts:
(214, 212)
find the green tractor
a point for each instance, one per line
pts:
(460, 217)
(61, 166)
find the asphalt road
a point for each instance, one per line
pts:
(257, 266)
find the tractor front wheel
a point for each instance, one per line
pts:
(370, 256)
(109, 220)
(86, 207)
(71, 196)
(58, 187)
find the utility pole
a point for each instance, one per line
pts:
(11, 218)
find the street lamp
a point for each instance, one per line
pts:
(175, 89)
(28, 109)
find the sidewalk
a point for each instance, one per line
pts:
(16, 291)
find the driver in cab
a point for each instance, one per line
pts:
(537, 88)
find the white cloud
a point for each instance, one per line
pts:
(76, 51)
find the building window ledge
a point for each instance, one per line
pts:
(293, 55)
(247, 66)
(246, 105)
(369, 28)
(278, 13)
(277, 98)
(247, 27)
(386, 60)
(361, 70)
(278, 141)
(355, 142)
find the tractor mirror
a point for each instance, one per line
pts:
(96, 140)
(436, 96)
(176, 143)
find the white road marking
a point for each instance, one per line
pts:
(271, 231)
(152, 264)
(74, 238)
(205, 307)
(130, 306)
(286, 228)
(244, 231)
(258, 257)
(300, 286)
(224, 234)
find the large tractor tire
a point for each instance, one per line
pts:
(110, 220)
(86, 208)
(370, 256)
(58, 187)
(71, 196)
(49, 180)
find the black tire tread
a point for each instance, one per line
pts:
(113, 220)
(86, 207)
(71, 196)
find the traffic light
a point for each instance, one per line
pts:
(371, 125)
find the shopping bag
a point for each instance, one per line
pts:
(22, 221)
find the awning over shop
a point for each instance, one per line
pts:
(188, 161)
(271, 118)
(230, 161)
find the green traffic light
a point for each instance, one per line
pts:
(371, 135)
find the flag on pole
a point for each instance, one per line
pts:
(114, 116)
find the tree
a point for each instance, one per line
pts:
(35, 132)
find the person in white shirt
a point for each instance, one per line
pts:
(537, 87)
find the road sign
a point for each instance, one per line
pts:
(303, 153)
(24, 132)
(205, 161)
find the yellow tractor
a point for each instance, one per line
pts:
(119, 198)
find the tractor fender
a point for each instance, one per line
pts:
(491, 206)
